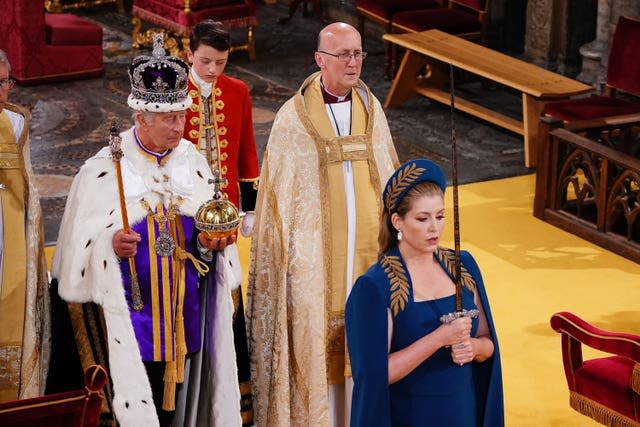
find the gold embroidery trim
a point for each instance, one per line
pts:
(9, 163)
(399, 285)
(155, 293)
(401, 182)
(9, 148)
(448, 259)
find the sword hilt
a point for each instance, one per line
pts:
(448, 318)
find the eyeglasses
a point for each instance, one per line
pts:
(358, 55)
(7, 83)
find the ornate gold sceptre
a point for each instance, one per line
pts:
(116, 154)
(460, 311)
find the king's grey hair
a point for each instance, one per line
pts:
(148, 116)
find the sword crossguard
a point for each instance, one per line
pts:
(448, 318)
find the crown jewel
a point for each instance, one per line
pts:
(218, 217)
(158, 82)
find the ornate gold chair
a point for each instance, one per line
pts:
(179, 16)
(606, 389)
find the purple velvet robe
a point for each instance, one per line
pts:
(143, 322)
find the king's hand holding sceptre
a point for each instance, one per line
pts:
(125, 241)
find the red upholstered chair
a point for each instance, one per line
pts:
(79, 408)
(381, 11)
(64, 5)
(179, 17)
(464, 18)
(623, 74)
(606, 389)
(44, 47)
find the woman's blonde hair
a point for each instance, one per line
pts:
(388, 235)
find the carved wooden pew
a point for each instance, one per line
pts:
(588, 180)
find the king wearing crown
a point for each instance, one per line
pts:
(130, 253)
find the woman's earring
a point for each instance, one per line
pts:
(399, 235)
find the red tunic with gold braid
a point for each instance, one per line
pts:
(235, 146)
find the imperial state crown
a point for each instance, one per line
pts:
(159, 83)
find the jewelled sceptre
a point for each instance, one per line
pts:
(460, 311)
(116, 154)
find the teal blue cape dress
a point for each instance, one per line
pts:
(438, 392)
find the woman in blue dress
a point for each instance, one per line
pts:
(409, 367)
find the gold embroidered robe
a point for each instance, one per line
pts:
(24, 300)
(297, 276)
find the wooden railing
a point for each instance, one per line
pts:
(588, 181)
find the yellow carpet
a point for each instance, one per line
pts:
(532, 270)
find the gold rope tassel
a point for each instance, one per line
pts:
(181, 344)
(599, 412)
(171, 368)
(182, 255)
(170, 379)
(199, 265)
(181, 350)
(174, 370)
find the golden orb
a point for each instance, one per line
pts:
(217, 217)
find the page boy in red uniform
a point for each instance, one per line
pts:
(220, 122)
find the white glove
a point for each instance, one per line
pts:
(247, 224)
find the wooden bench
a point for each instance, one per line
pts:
(436, 50)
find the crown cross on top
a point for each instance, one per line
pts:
(158, 45)
(217, 182)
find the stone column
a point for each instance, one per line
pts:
(594, 51)
(539, 32)
(595, 54)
